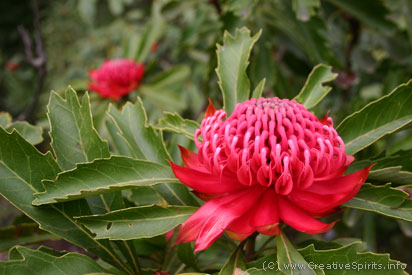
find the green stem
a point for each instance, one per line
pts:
(262, 248)
(369, 231)
(250, 247)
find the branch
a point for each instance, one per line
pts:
(217, 6)
(38, 62)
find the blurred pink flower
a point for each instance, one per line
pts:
(116, 78)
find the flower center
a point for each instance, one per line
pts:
(273, 142)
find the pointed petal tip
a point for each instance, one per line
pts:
(269, 229)
(237, 236)
(210, 111)
(328, 227)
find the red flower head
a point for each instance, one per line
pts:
(12, 66)
(116, 78)
(271, 161)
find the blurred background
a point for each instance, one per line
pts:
(48, 45)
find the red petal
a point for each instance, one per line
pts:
(342, 185)
(315, 203)
(265, 216)
(210, 111)
(203, 182)
(241, 228)
(236, 206)
(299, 219)
(191, 227)
(325, 119)
(191, 160)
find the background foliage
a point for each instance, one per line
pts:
(367, 43)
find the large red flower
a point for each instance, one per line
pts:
(116, 78)
(270, 162)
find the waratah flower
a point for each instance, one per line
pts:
(116, 78)
(270, 162)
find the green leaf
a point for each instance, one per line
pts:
(232, 61)
(152, 33)
(144, 195)
(102, 176)
(235, 264)
(5, 119)
(304, 9)
(309, 36)
(137, 222)
(74, 138)
(377, 119)
(288, 257)
(172, 77)
(349, 260)
(313, 91)
(395, 168)
(143, 141)
(186, 255)
(165, 88)
(31, 133)
(27, 261)
(23, 234)
(119, 145)
(372, 12)
(173, 122)
(257, 92)
(22, 168)
(384, 200)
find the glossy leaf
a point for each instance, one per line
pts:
(377, 119)
(144, 195)
(146, 143)
(74, 138)
(28, 261)
(22, 167)
(235, 264)
(5, 119)
(165, 88)
(31, 133)
(137, 222)
(257, 92)
(232, 61)
(395, 168)
(119, 145)
(176, 124)
(384, 200)
(288, 257)
(313, 91)
(350, 259)
(102, 176)
(143, 141)
(186, 255)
